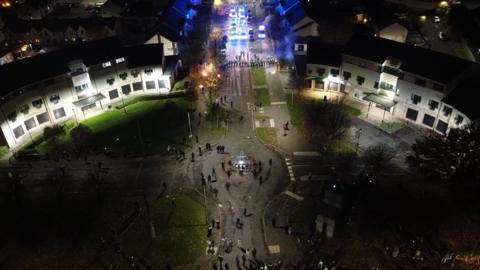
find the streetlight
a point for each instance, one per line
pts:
(204, 73)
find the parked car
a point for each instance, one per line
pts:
(261, 31)
(29, 155)
(442, 36)
(436, 19)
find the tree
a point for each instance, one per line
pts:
(329, 119)
(455, 156)
(297, 81)
(81, 137)
(378, 155)
(51, 134)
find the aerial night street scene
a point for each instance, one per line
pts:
(239, 134)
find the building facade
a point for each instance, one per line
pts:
(396, 80)
(86, 80)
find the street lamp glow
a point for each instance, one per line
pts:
(204, 74)
(218, 76)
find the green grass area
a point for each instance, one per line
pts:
(160, 122)
(262, 117)
(4, 150)
(182, 84)
(180, 230)
(342, 147)
(262, 97)
(267, 135)
(296, 111)
(258, 76)
(353, 111)
(391, 127)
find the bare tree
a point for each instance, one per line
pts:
(329, 119)
(378, 155)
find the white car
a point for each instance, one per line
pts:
(442, 36)
(243, 36)
(436, 19)
(233, 35)
(232, 13)
(261, 31)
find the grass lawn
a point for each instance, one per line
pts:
(342, 147)
(262, 117)
(295, 110)
(181, 85)
(267, 135)
(161, 122)
(353, 111)
(258, 76)
(181, 233)
(3, 150)
(391, 127)
(262, 97)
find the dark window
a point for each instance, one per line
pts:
(30, 123)
(458, 120)
(162, 84)
(113, 94)
(428, 120)
(80, 88)
(433, 105)
(42, 118)
(320, 71)
(301, 48)
(412, 114)
(447, 110)
(416, 99)
(123, 75)
(126, 89)
(110, 80)
(420, 82)
(150, 85)
(37, 103)
(386, 86)
(310, 71)
(319, 84)
(375, 85)
(360, 80)
(137, 86)
(24, 108)
(18, 131)
(54, 99)
(59, 113)
(12, 116)
(441, 126)
(148, 71)
(438, 87)
(334, 72)
(346, 75)
(134, 73)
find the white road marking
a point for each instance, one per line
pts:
(311, 154)
(278, 103)
(257, 123)
(272, 122)
(293, 195)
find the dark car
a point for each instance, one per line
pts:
(29, 155)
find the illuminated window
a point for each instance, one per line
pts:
(120, 60)
(107, 64)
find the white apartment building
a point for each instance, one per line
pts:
(76, 83)
(426, 88)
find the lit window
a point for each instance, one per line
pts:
(120, 60)
(107, 64)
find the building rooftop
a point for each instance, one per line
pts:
(430, 64)
(58, 25)
(324, 54)
(464, 97)
(24, 72)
